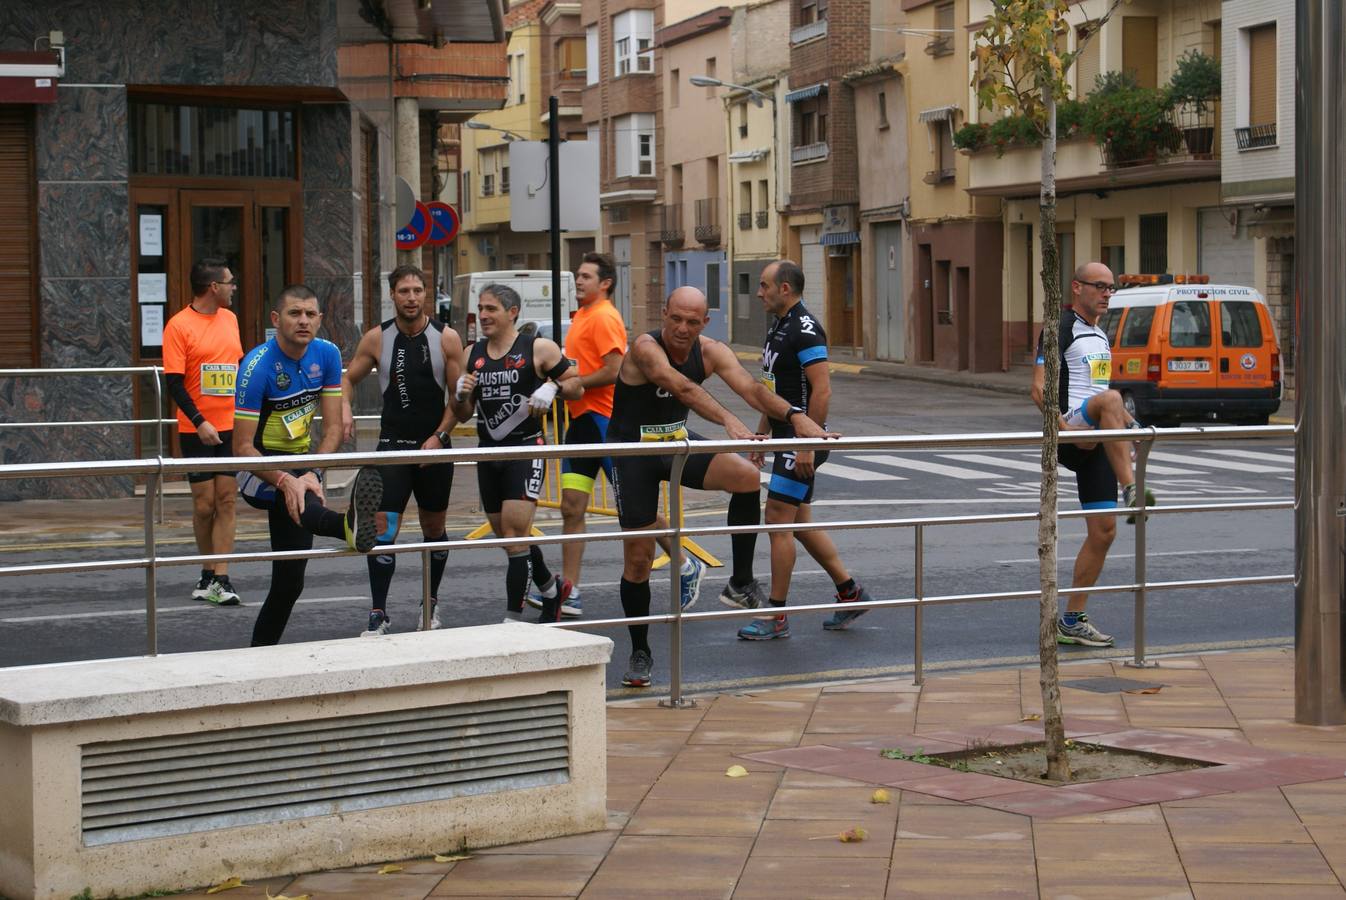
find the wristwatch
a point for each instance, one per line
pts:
(443, 438)
(793, 411)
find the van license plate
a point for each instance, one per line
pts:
(1189, 365)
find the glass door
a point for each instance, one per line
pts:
(219, 225)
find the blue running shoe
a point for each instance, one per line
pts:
(842, 618)
(691, 582)
(572, 608)
(379, 623)
(765, 629)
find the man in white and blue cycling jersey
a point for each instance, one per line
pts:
(1086, 402)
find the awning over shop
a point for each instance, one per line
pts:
(29, 77)
(806, 93)
(749, 156)
(840, 237)
(938, 114)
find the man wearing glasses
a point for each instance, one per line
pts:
(1086, 402)
(201, 353)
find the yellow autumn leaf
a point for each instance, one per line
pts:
(271, 896)
(880, 796)
(736, 772)
(853, 835)
(451, 858)
(390, 869)
(1031, 717)
(233, 881)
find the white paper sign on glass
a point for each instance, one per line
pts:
(152, 287)
(152, 325)
(151, 235)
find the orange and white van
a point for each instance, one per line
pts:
(1184, 350)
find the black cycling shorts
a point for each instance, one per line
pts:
(514, 479)
(193, 448)
(787, 485)
(636, 480)
(430, 484)
(1094, 478)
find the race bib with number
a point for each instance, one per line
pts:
(1100, 369)
(217, 379)
(296, 421)
(673, 431)
(768, 379)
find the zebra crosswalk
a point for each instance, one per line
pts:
(995, 470)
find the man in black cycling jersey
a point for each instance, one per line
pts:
(660, 379)
(794, 366)
(417, 358)
(511, 381)
(281, 385)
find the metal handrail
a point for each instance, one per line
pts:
(154, 470)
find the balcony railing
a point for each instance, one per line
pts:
(940, 46)
(1253, 136)
(670, 226)
(808, 152)
(763, 218)
(707, 231)
(939, 176)
(808, 32)
(745, 221)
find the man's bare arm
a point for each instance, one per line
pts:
(362, 363)
(612, 364)
(722, 361)
(654, 365)
(1039, 384)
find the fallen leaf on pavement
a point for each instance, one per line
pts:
(1148, 690)
(880, 796)
(736, 772)
(853, 835)
(454, 857)
(271, 896)
(390, 869)
(1031, 717)
(233, 881)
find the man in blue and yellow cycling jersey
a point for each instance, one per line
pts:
(281, 385)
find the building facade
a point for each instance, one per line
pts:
(260, 132)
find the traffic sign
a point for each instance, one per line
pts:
(417, 231)
(444, 224)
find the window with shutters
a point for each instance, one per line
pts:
(1140, 49)
(1257, 118)
(18, 240)
(1087, 65)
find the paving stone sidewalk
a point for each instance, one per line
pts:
(678, 827)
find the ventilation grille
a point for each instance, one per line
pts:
(154, 787)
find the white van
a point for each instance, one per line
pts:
(533, 285)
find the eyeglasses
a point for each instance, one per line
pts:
(230, 283)
(1103, 287)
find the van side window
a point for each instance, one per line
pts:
(1109, 322)
(1137, 330)
(1190, 325)
(1239, 325)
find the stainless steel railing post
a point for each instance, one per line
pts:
(675, 699)
(425, 590)
(1142, 457)
(918, 674)
(156, 373)
(151, 575)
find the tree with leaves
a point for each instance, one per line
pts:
(1021, 69)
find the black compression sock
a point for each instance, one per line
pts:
(636, 602)
(382, 566)
(541, 574)
(438, 559)
(846, 587)
(516, 581)
(744, 509)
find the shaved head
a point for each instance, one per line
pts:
(687, 295)
(1092, 271)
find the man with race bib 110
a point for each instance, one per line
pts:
(794, 367)
(510, 381)
(1086, 402)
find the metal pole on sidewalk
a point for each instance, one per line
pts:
(918, 670)
(151, 575)
(1138, 661)
(675, 699)
(159, 433)
(425, 590)
(1320, 312)
(554, 205)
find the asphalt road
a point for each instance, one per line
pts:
(67, 617)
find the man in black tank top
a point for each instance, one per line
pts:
(417, 358)
(659, 381)
(511, 381)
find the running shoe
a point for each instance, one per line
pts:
(749, 596)
(572, 608)
(202, 589)
(362, 514)
(563, 589)
(638, 675)
(379, 623)
(434, 616)
(1129, 499)
(842, 618)
(221, 592)
(765, 629)
(1082, 632)
(691, 581)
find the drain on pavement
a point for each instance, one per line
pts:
(1110, 685)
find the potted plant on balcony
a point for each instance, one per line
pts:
(1195, 88)
(1132, 125)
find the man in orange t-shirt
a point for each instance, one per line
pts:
(595, 343)
(202, 349)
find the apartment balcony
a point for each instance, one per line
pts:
(671, 234)
(940, 46)
(745, 221)
(707, 231)
(1081, 165)
(1252, 137)
(808, 153)
(763, 218)
(809, 32)
(940, 176)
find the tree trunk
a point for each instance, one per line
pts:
(1058, 762)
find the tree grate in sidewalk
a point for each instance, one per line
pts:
(1111, 685)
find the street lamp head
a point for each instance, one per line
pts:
(478, 126)
(482, 126)
(705, 81)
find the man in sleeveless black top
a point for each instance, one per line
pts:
(417, 358)
(511, 381)
(659, 381)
